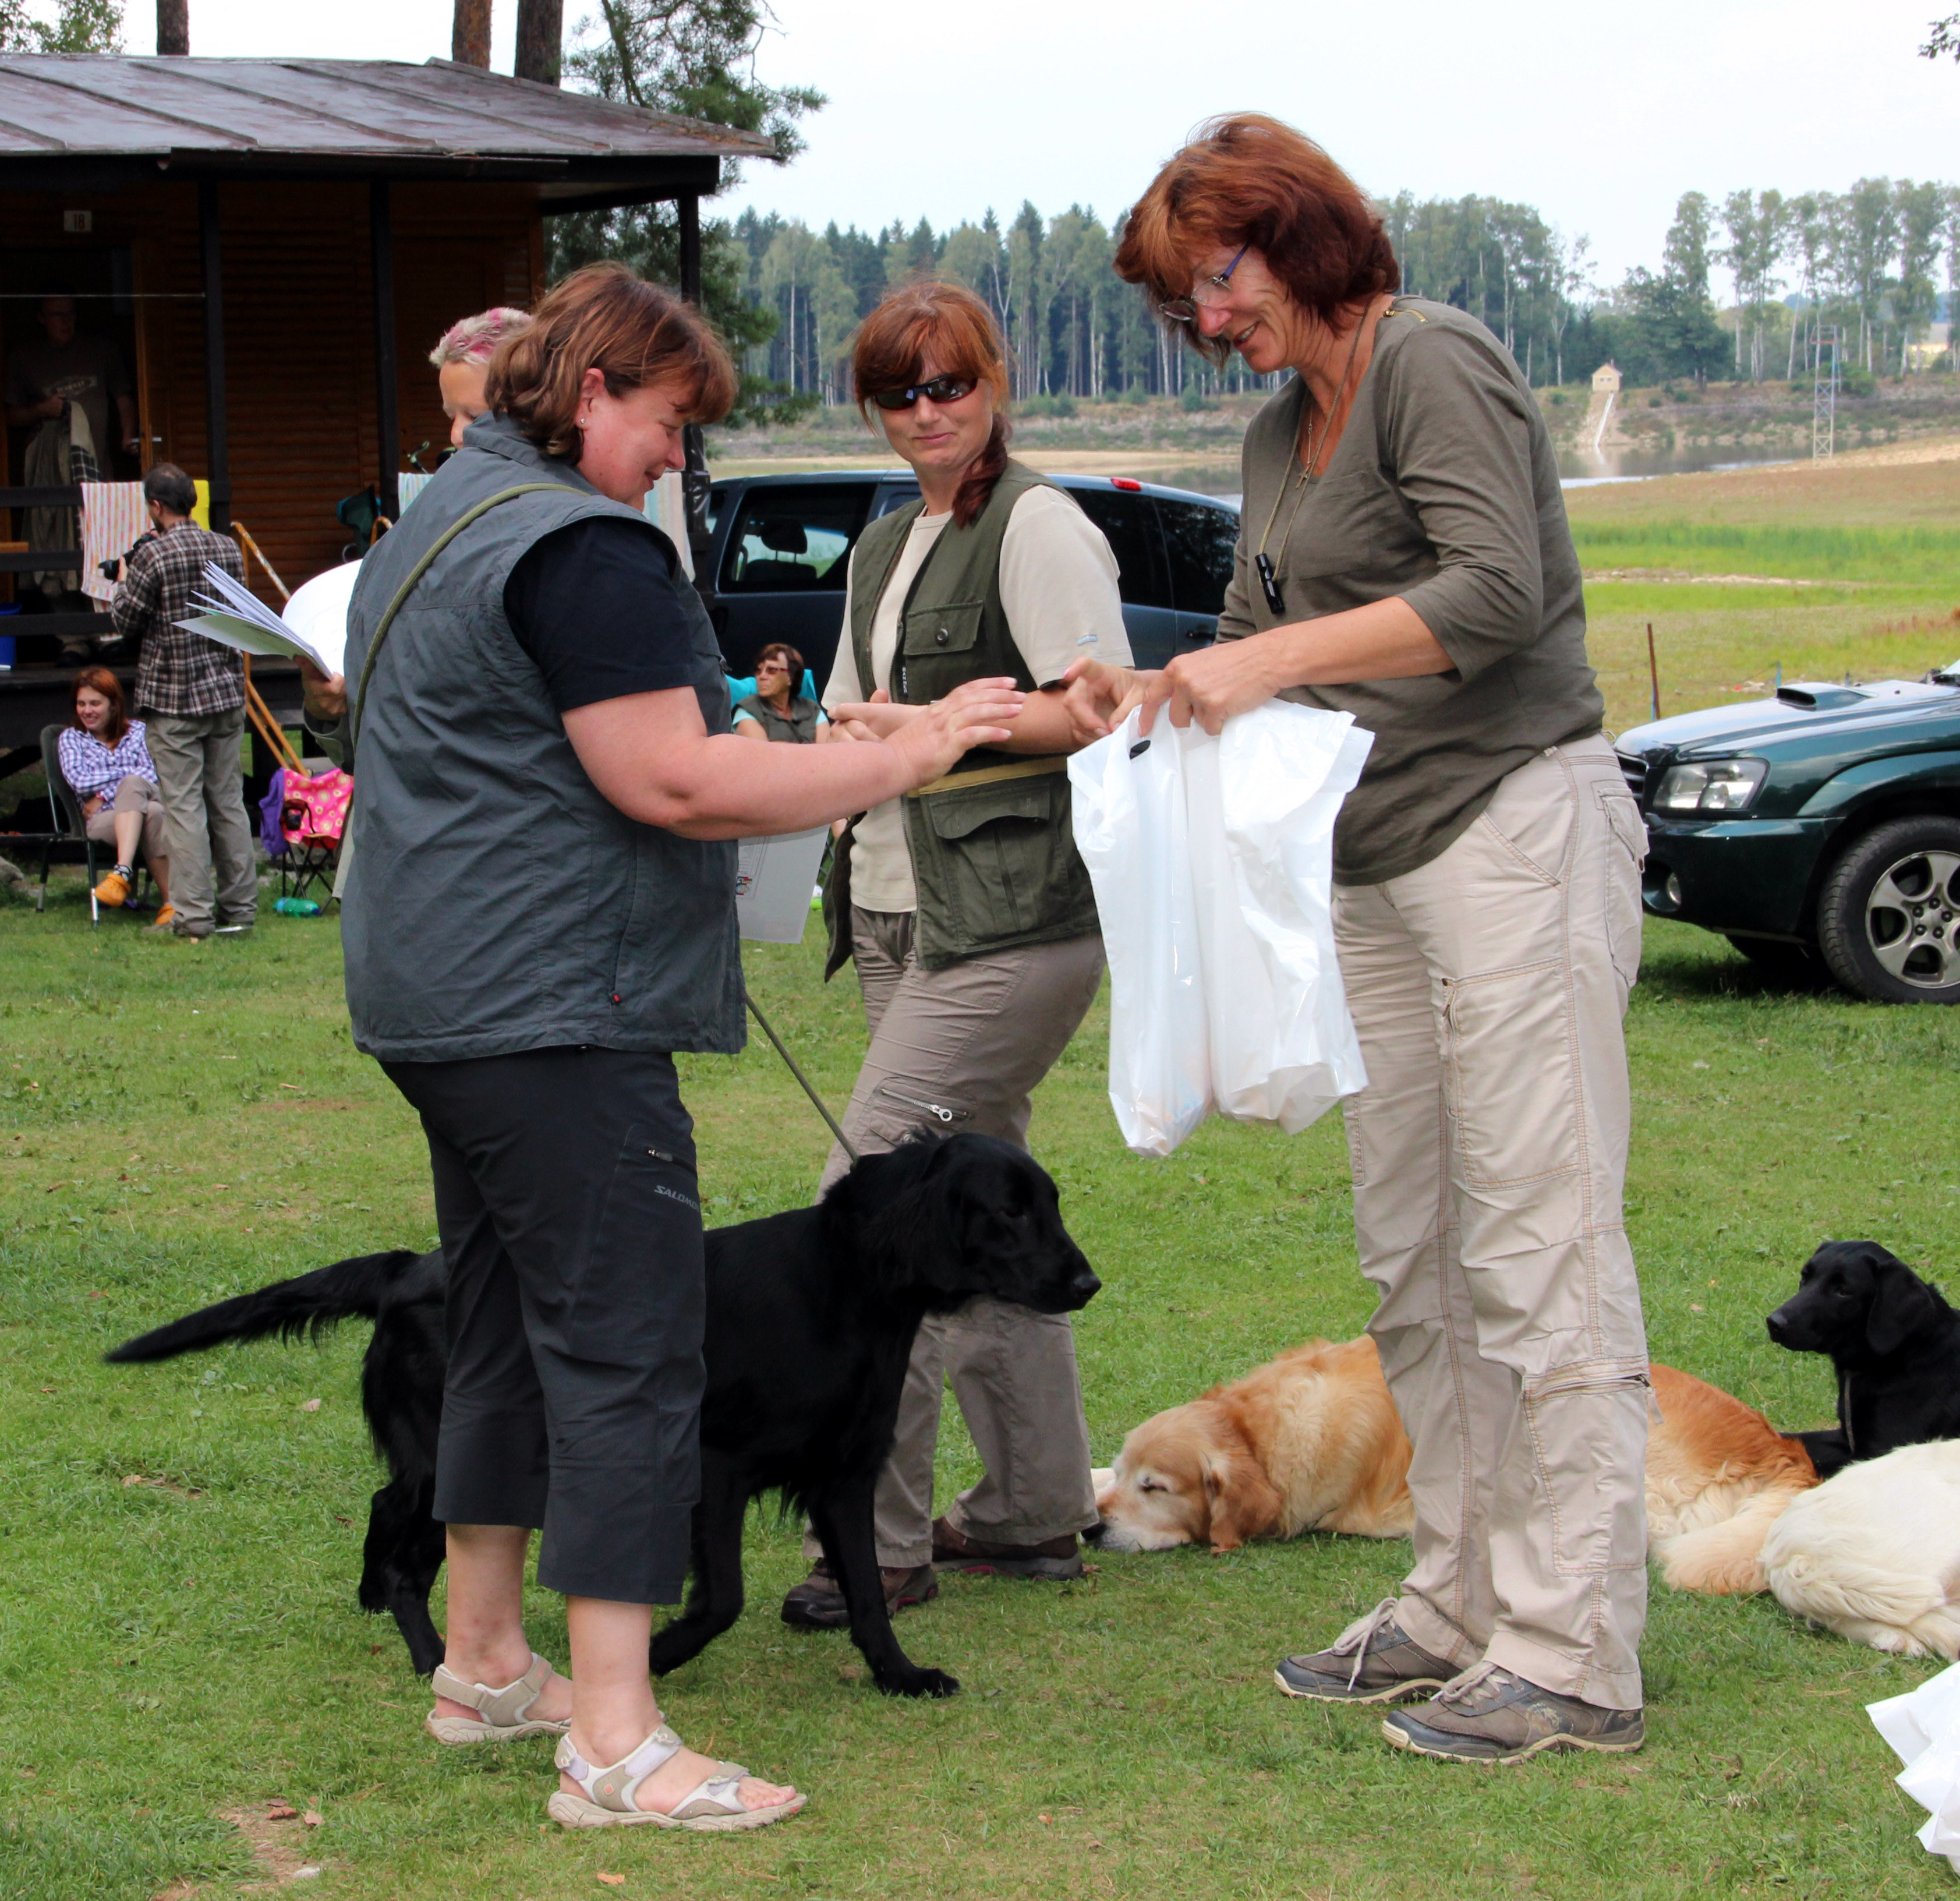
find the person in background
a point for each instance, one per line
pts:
(1404, 557)
(461, 359)
(74, 392)
(68, 368)
(556, 661)
(775, 710)
(103, 758)
(193, 690)
(967, 911)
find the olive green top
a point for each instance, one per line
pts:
(1444, 488)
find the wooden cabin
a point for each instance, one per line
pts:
(275, 246)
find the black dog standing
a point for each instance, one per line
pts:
(1894, 1342)
(811, 1316)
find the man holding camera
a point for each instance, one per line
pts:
(191, 692)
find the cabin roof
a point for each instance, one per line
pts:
(100, 118)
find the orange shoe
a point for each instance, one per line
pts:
(114, 889)
(165, 925)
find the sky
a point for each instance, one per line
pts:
(1601, 117)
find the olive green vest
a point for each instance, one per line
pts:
(993, 848)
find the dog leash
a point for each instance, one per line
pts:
(768, 1031)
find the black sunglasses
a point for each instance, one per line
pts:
(941, 389)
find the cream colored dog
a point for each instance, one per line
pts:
(1312, 1442)
(1874, 1552)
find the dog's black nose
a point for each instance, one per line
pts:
(1777, 1325)
(1085, 1288)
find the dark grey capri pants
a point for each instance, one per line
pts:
(570, 1223)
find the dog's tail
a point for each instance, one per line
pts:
(311, 1303)
(1725, 1559)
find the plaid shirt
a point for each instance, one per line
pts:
(95, 769)
(180, 672)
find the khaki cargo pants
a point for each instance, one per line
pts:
(1489, 1151)
(953, 1051)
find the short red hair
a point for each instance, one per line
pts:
(99, 680)
(947, 322)
(1249, 179)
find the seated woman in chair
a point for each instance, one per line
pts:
(103, 758)
(775, 710)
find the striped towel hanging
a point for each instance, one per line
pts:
(113, 517)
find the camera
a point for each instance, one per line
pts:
(111, 569)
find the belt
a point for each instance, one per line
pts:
(992, 775)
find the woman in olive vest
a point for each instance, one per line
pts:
(539, 690)
(968, 912)
(775, 710)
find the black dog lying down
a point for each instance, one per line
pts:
(810, 1320)
(1894, 1342)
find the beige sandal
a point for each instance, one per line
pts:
(713, 1804)
(505, 1713)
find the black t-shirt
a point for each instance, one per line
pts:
(599, 605)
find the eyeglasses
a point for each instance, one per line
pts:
(1184, 309)
(770, 666)
(941, 389)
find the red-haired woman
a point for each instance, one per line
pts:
(103, 758)
(1404, 556)
(966, 908)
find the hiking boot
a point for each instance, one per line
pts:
(1489, 1715)
(1373, 1660)
(817, 1604)
(114, 889)
(953, 1550)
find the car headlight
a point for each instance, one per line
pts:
(1721, 786)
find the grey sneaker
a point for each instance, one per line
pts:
(1373, 1660)
(1489, 1715)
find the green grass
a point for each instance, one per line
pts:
(176, 1124)
(1802, 551)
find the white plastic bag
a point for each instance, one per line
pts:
(1923, 1728)
(1212, 861)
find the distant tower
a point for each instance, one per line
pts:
(1823, 396)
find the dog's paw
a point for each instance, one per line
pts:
(919, 1683)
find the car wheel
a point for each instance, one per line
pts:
(1889, 919)
(1792, 962)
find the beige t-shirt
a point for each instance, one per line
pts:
(1058, 587)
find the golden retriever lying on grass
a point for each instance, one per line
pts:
(1312, 1442)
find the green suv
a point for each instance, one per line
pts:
(1819, 827)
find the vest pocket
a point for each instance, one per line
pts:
(994, 856)
(936, 650)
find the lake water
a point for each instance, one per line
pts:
(1219, 475)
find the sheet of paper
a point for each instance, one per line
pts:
(317, 613)
(773, 879)
(314, 625)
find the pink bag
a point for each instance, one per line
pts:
(315, 809)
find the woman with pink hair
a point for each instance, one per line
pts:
(462, 360)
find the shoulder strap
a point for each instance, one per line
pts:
(407, 588)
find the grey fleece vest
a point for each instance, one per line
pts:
(496, 901)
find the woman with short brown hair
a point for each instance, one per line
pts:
(540, 912)
(1404, 557)
(103, 757)
(966, 909)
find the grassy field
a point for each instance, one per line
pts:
(1821, 572)
(182, 1541)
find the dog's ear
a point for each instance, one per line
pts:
(1244, 1502)
(1901, 1304)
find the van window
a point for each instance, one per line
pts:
(1126, 521)
(793, 540)
(1200, 541)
